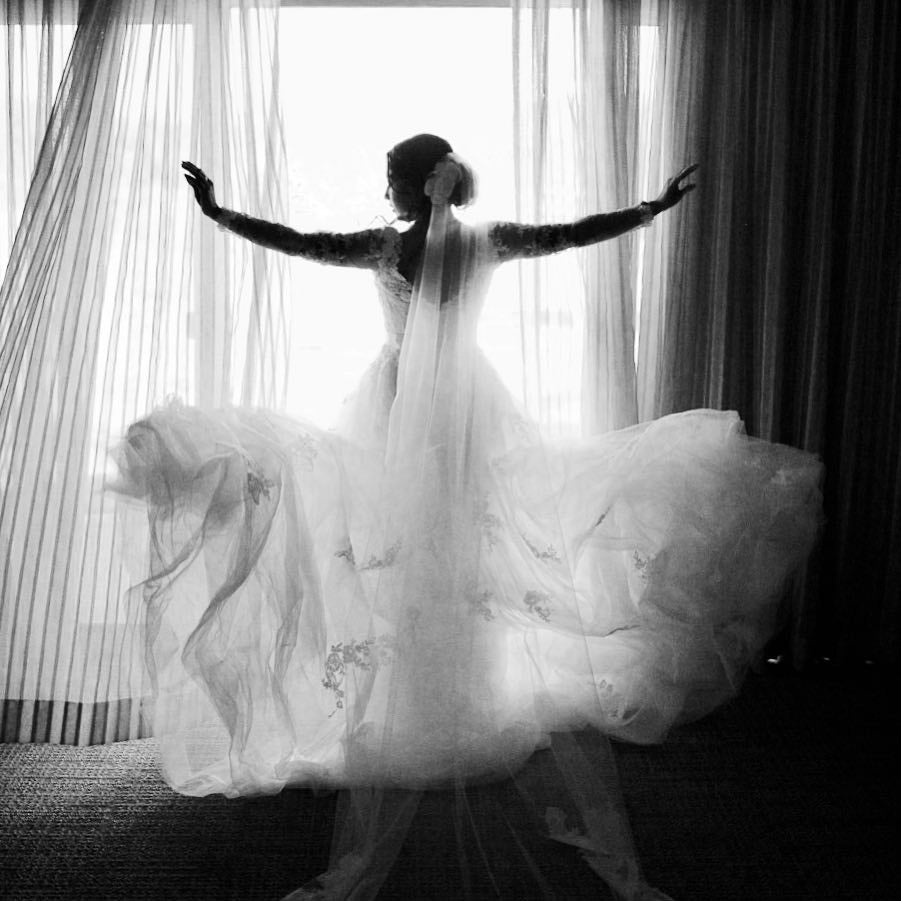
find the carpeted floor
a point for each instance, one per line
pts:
(789, 792)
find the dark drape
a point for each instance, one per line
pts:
(783, 299)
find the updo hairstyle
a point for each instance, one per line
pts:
(413, 161)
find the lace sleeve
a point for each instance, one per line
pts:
(361, 249)
(511, 240)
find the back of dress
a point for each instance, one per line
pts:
(422, 598)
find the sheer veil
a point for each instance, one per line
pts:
(436, 722)
(456, 617)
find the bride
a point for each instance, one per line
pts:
(433, 595)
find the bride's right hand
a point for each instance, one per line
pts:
(203, 189)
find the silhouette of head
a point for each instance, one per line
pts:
(409, 165)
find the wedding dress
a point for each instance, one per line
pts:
(423, 596)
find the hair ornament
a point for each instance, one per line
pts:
(452, 180)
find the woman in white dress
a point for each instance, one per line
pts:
(422, 597)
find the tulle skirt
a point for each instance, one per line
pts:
(319, 613)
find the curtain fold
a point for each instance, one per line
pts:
(576, 113)
(35, 39)
(780, 295)
(115, 296)
(775, 290)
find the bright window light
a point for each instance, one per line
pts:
(354, 82)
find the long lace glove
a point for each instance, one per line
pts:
(359, 249)
(362, 250)
(512, 240)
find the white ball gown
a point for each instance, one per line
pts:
(422, 596)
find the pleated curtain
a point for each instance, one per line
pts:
(577, 103)
(775, 289)
(778, 292)
(114, 297)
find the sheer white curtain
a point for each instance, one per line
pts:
(578, 102)
(116, 295)
(35, 39)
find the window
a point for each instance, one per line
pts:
(354, 82)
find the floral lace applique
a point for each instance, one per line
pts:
(369, 654)
(347, 553)
(641, 564)
(548, 555)
(538, 604)
(305, 447)
(512, 240)
(387, 559)
(391, 248)
(366, 655)
(611, 702)
(480, 602)
(389, 276)
(488, 523)
(257, 484)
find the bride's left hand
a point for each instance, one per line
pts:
(674, 190)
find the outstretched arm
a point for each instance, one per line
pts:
(359, 249)
(514, 241)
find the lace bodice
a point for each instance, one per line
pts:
(394, 290)
(500, 241)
